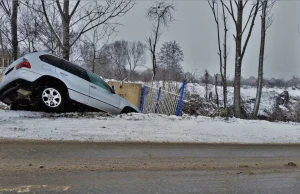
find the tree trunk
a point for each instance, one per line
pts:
(130, 69)
(238, 60)
(14, 29)
(129, 75)
(225, 93)
(216, 90)
(261, 59)
(222, 55)
(2, 47)
(66, 30)
(154, 66)
(224, 81)
(224, 74)
(94, 58)
(206, 85)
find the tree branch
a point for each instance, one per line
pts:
(74, 9)
(230, 10)
(249, 17)
(60, 10)
(251, 28)
(246, 1)
(49, 24)
(236, 3)
(112, 15)
(5, 8)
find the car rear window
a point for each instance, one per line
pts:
(65, 65)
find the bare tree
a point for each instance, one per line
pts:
(103, 64)
(93, 44)
(294, 82)
(147, 75)
(83, 17)
(162, 14)
(116, 52)
(18, 28)
(223, 54)
(29, 25)
(170, 58)
(5, 28)
(45, 36)
(29, 30)
(14, 29)
(10, 16)
(240, 46)
(136, 56)
(266, 22)
(192, 77)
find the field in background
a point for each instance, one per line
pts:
(248, 94)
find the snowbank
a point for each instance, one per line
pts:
(3, 106)
(144, 128)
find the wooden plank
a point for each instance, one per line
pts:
(130, 91)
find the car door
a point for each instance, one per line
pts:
(75, 77)
(101, 95)
(78, 87)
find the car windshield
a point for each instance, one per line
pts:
(95, 79)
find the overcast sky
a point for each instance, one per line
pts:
(195, 31)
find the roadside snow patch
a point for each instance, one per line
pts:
(144, 128)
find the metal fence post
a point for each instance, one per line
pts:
(143, 98)
(180, 98)
(157, 100)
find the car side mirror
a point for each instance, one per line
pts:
(113, 89)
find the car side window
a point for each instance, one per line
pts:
(66, 66)
(98, 81)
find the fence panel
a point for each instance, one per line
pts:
(158, 100)
(150, 100)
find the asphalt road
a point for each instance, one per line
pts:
(55, 167)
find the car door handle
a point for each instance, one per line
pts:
(93, 87)
(64, 74)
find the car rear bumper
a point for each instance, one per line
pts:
(11, 83)
(9, 92)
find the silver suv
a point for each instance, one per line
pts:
(43, 81)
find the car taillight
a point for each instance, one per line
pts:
(24, 64)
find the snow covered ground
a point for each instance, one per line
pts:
(143, 128)
(247, 93)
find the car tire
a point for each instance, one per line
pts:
(127, 110)
(50, 98)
